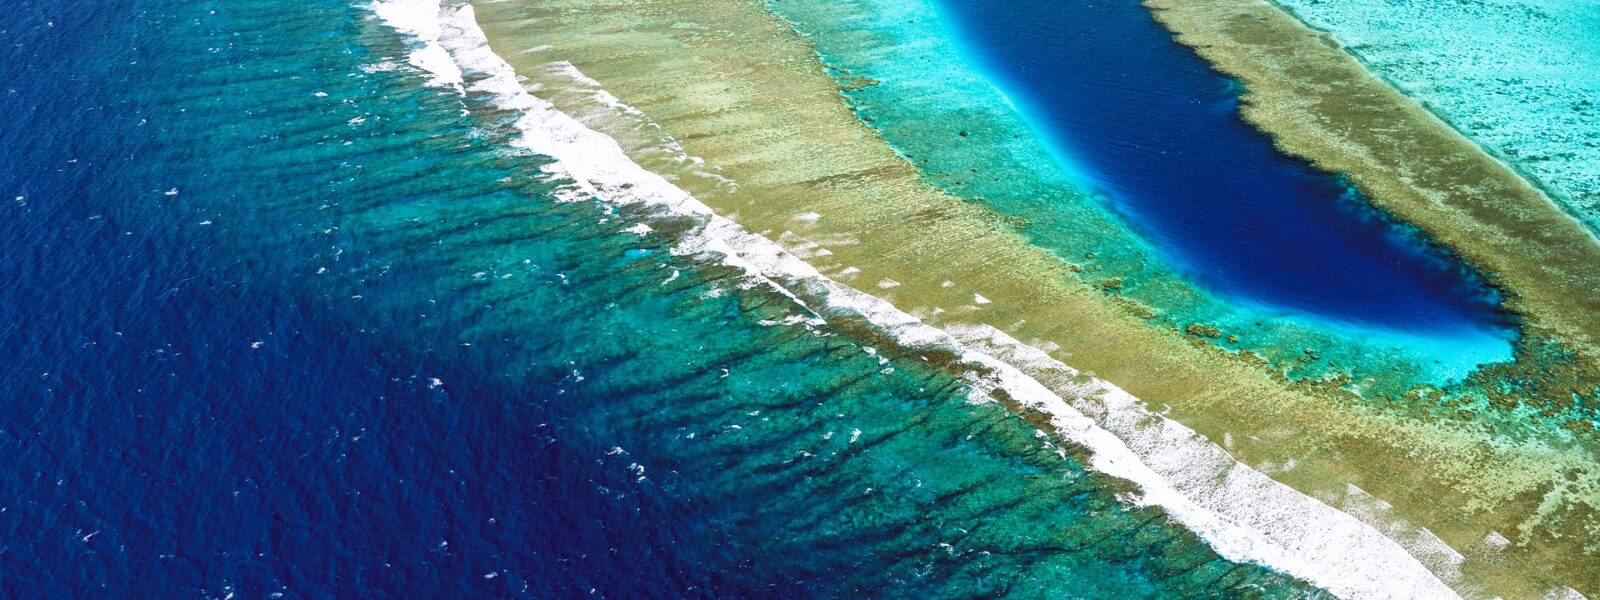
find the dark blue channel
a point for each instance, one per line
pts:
(1157, 131)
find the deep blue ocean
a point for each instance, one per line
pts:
(279, 319)
(1156, 132)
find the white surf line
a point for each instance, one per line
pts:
(693, 164)
(1272, 525)
(1206, 475)
(419, 19)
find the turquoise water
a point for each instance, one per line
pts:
(1122, 152)
(287, 321)
(1520, 77)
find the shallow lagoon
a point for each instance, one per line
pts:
(1290, 259)
(1156, 132)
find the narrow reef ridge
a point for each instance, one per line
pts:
(1318, 102)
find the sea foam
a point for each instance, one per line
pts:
(1243, 514)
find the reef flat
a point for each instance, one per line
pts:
(733, 86)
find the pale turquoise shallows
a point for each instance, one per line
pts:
(1520, 77)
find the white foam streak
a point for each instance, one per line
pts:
(1239, 510)
(603, 97)
(1242, 513)
(419, 19)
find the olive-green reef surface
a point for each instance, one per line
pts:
(1488, 468)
